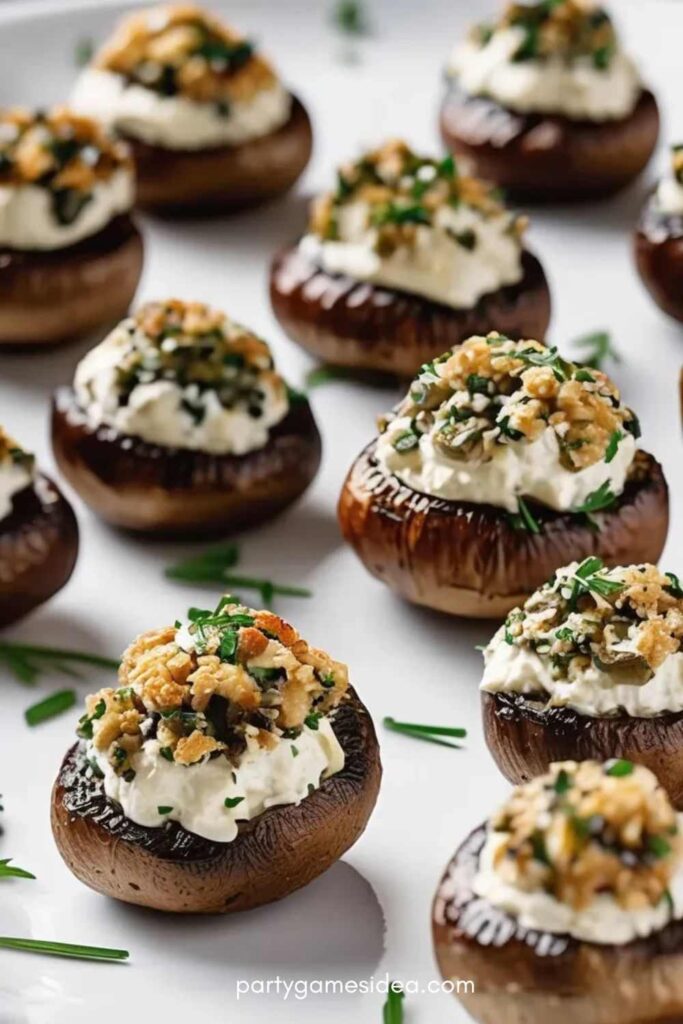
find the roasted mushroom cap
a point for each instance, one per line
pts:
(525, 736)
(48, 297)
(38, 549)
(542, 157)
(658, 250)
(171, 869)
(468, 559)
(533, 977)
(179, 492)
(223, 178)
(347, 322)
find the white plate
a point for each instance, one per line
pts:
(370, 914)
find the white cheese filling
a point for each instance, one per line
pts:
(519, 669)
(28, 221)
(669, 195)
(603, 922)
(175, 122)
(574, 89)
(155, 411)
(196, 794)
(14, 478)
(437, 266)
(530, 469)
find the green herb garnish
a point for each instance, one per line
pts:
(620, 768)
(164, 810)
(393, 1007)
(9, 870)
(597, 501)
(525, 519)
(429, 733)
(27, 661)
(350, 17)
(52, 706)
(598, 349)
(674, 587)
(613, 445)
(233, 801)
(65, 949)
(214, 565)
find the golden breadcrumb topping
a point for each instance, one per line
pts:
(200, 690)
(12, 454)
(401, 192)
(582, 830)
(182, 49)
(57, 150)
(568, 28)
(626, 621)
(493, 391)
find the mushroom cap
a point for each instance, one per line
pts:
(348, 322)
(38, 548)
(468, 559)
(539, 157)
(525, 737)
(54, 295)
(658, 252)
(171, 869)
(533, 977)
(223, 178)
(180, 492)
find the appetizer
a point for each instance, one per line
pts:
(591, 666)
(177, 423)
(545, 102)
(71, 255)
(567, 904)
(658, 240)
(38, 534)
(503, 462)
(405, 259)
(232, 765)
(211, 125)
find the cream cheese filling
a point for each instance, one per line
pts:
(437, 265)
(14, 478)
(669, 195)
(512, 668)
(195, 795)
(575, 89)
(530, 469)
(27, 219)
(603, 922)
(156, 411)
(175, 122)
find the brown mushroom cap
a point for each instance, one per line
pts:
(525, 736)
(171, 869)
(223, 178)
(468, 559)
(38, 549)
(179, 492)
(347, 322)
(541, 157)
(534, 977)
(48, 297)
(658, 251)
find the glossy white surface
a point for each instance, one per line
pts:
(370, 914)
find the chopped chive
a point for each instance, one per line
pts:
(613, 445)
(164, 810)
(526, 516)
(27, 661)
(65, 949)
(233, 801)
(620, 768)
(393, 1007)
(214, 565)
(429, 733)
(55, 704)
(9, 870)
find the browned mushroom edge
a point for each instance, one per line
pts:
(171, 869)
(525, 735)
(38, 548)
(352, 323)
(51, 296)
(223, 178)
(533, 977)
(658, 251)
(180, 492)
(538, 157)
(468, 559)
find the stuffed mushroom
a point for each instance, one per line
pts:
(503, 462)
(405, 259)
(546, 103)
(591, 666)
(232, 765)
(568, 903)
(210, 123)
(71, 256)
(38, 534)
(177, 423)
(658, 240)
